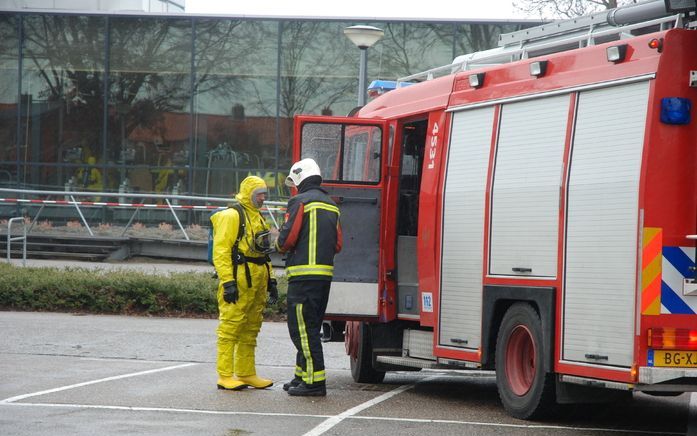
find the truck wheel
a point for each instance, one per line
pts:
(525, 389)
(360, 352)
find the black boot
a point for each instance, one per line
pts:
(293, 383)
(318, 389)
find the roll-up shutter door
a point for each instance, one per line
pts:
(463, 227)
(525, 198)
(602, 221)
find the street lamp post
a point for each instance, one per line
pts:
(363, 37)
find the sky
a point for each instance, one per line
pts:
(442, 9)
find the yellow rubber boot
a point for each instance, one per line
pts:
(245, 368)
(255, 381)
(231, 383)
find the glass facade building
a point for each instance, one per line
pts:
(187, 104)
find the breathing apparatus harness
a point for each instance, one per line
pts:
(259, 242)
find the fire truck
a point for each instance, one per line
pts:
(530, 209)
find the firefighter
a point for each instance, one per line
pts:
(163, 178)
(90, 178)
(246, 284)
(311, 236)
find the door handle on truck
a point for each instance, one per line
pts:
(341, 199)
(596, 357)
(520, 269)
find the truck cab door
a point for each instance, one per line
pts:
(351, 154)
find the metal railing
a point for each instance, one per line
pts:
(270, 207)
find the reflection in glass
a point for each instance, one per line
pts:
(62, 97)
(149, 103)
(348, 154)
(235, 105)
(8, 100)
(322, 142)
(318, 74)
(470, 38)
(361, 157)
(245, 80)
(409, 48)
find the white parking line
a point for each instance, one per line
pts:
(160, 409)
(334, 420)
(585, 430)
(101, 380)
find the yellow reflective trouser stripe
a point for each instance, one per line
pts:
(318, 375)
(329, 207)
(306, 270)
(312, 255)
(305, 344)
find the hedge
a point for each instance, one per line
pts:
(124, 292)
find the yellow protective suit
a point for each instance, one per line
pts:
(240, 322)
(90, 178)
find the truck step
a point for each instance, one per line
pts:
(410, 362)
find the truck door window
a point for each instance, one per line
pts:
(413, 140)
(344, 153)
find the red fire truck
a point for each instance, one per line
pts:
(531, 211)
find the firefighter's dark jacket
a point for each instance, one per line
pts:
(311, 235)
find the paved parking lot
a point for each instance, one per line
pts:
(63, 374)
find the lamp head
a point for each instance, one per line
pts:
(364, 36)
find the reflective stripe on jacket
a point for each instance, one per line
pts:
(311, 235)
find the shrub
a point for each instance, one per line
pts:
(114, 292)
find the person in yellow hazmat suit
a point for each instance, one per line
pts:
(246, 284)
(90, 178)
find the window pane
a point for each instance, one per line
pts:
(319, 74)
(409, 48)
(235, 105)
(62, 97)
(322, 142)
(8, 100)
(362, 154)
(476, 37)
(360, 158)
(149, 104)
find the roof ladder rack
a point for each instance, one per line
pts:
(561, 36)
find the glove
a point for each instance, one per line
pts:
(273, 292)
(230, 294)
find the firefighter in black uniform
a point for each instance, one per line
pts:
(311, 236)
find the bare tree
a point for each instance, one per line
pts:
(566, 8)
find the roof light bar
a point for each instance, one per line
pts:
(379, 87)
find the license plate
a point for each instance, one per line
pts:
(683, 359)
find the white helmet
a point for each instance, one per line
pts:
(301, 170)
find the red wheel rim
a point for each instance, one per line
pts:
(520, 360)
(351, 339)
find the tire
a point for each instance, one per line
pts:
(525, 389)
(360, 351)
(663, 394)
